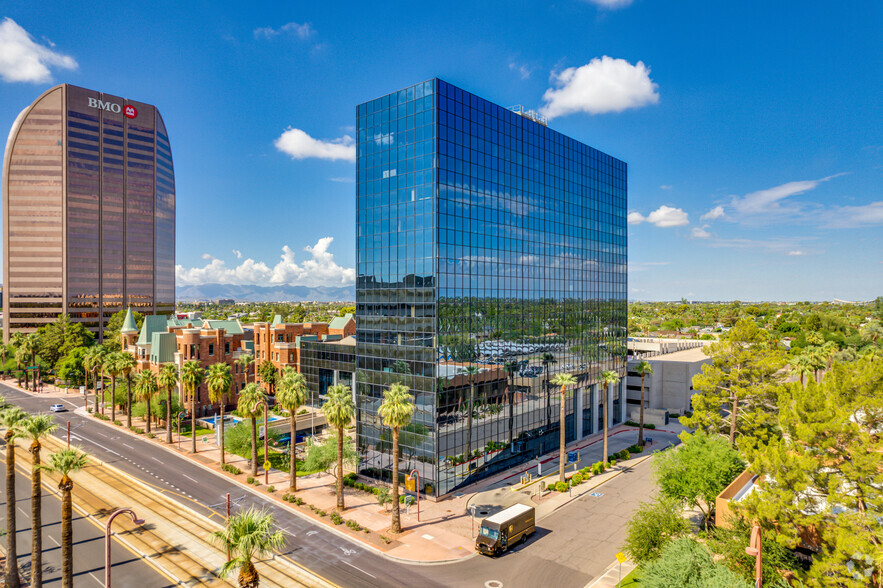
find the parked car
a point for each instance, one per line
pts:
(57, 408)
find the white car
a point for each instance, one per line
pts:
(57, 408)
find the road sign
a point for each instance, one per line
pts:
(621, 557)
(82, 390)
(266, 465)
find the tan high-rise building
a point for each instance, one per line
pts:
(88, 211)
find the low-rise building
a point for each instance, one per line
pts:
(670, 386)
(280, 343)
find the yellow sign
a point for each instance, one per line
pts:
(266, 465)
(411, 483)
(621, 557)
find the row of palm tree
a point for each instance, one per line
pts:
(21, 425)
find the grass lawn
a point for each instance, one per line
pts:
(279, 461)
(185, 431)
(631, 581)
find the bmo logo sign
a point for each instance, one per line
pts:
(128, 110)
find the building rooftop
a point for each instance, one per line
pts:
(340, 322)
(686, 355)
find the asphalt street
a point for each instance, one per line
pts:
(128, 569)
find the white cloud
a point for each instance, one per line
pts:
(300, 145)
(665, 187)
(610, 4)
(796, 253)
(301, 31)
(24, 60)
(764, 204)
(319, 269)
(640, 266)
(714, 213)
(207, 256)
(700, 233)
(602, 85)
(344, 180)
(237, 253)
(521, 69)
(849, 217)
(663, 217)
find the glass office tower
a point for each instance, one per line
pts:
(491, 256)
(88, 211)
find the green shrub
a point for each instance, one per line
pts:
(336, 518)
(118, 423)
(586, 471)
(354, 525)
(100, 416)
(386, 539)
(231, 469)
(322, 513)
(250, 479)
(271, 488)
(597, 468)
(612, 462)
(298, 501)
(652, 527)
(383, 496)
(576, 479)
(560, 486)
(151, 436)
(137, 430)
(626, 454)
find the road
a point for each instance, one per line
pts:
(129, 569)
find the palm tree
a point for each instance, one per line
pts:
(21, 361)
(511, 367)
(128, 365)
(610, 378)
(548, 359)
(802, 366)
(168, 381)
(65, 462)
(146, 387)
(247, 535)
(219, 381)
(643, 368)
(192, 375)
(471, 372)
(112, 365)
(35, 428)
(245, 361)
(251, 399)
(339, 410)
(92, 362)
(8, 419)
(396, 411)
(291, 396)
(31, 345)
(563, 380)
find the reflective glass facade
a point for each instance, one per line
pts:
(89, 211)
(491, 256)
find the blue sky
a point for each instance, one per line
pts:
(752, 130)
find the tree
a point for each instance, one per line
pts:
(192, 375)
(146, 388)
(735, 394)
(219, 381)
(112, 340)
(643, 368)
(801, 366)
(113, 366)
(70, 368)
(339, 410)
(653, 526)
(396, 411)
(609, 378)
(31, 346)
(65, 462)
(21, 362)
(251, 399)
(244, 361)
(36, 428)
(697, 471)
(268, 375)
(322, 457)
(60, 337)
(92, 363)
(291, 395)
(686, 563)
(471, 372)
(248, 535)
(563, 380)
(824, 473)
(168, 381)
(9, 418)
(127, 366)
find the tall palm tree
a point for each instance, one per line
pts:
(146, 387)
(291, 396)
(610, 378)
(219, 381)
(643, 368)
(396, 411)
(548, 359)
(127, 366)
(112, 365)
(251, 399)
(31, 345)
(802, 366)
(563, 380)
(168, 381)
(248, 535)
(65, 462)
(35, 428)
(8, 419)
(339, 410)
(92, 363)
(192, 375)
(21, 361)
(471, 372)
(511, 367)
(245, 361)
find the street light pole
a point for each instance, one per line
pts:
(417, 491)
(135, 520)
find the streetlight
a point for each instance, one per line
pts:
(415, 473)
(135, 520)
(266, 437)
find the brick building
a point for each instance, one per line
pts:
(280, 343)
(163, 340)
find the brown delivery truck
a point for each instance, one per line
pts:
(505, 529)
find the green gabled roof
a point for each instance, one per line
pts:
(232, 327)
(152, 324)
(129, 325)
(174, 321)
(341, 321)
(162, 348)
(277, 320)
(300, 338)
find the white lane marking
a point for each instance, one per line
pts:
(191, 479)
(363, 571)
(157, 459)
(21, 510)
(347, 552)
(129, 446)
(102, 447)
(102, 434)
(100, 582)
(54, 540)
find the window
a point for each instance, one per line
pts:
(211, 349)
(226, 347)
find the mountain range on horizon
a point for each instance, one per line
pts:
(256, 293)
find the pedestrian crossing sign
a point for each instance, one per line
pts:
(621, 557)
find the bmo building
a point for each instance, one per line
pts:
(88, 211)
